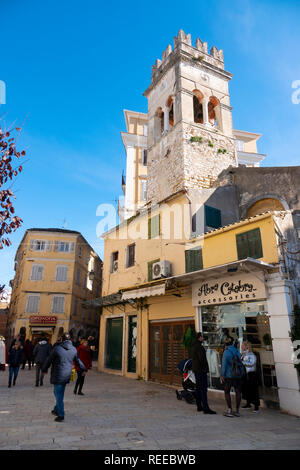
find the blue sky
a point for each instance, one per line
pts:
(71, 67)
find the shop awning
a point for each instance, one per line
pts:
(144, 292)
(244, 265)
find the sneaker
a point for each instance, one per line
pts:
(246, 407)
(59, 419)
(228, 413)
(209, 412)
(256, 411)
(237, 414)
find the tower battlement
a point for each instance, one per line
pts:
(199, 52)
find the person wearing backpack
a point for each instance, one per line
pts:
(232, 374)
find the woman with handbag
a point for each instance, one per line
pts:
(250, 385)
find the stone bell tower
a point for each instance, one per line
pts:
(190, 138)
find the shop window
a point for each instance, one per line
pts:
(193, 260)
(154, 226)
(150, 264)
(249, 244)
(212, 217)
(130, 255)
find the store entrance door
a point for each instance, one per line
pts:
(114, 343)
(36, 336)
(167, 350)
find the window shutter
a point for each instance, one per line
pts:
(56, 246)
(72, 247)
(58, 304)
(48, 245)
(32, 243)
(249, 244)
(193, 260)
(33, 304)
(61, 273)
(154, 226)
(212, 217)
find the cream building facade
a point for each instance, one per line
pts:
(56, 270)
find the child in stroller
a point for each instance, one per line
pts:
(188, 382)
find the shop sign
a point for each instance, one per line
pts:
(39, 319)
(236, 288)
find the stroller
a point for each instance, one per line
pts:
(188, 382)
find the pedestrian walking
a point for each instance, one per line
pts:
(61, 359)
(200, 369)
(84, 354)
(250, 383)
(27, 354)
(40, 353)
(14, 360)
(232, 374)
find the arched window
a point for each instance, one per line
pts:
(159, 123)
(213, 111)
(170, 107)
(198, 107)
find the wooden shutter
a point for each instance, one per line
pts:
(193, 260)
(249, 244)
(212, 217)
(154, 226)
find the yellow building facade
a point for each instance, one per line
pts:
(56, 270)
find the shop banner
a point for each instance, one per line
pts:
(235, 288)
(45, 319)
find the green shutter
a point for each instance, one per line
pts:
(193, 260)
(212, 217)
(154, 226)
(249, 244)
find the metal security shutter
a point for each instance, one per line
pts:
(249, 244)
(193, 260)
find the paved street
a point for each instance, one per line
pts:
(117, 413)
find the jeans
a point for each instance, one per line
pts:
(201, 390)
(59, 391)
(39, 376)
(13, 373)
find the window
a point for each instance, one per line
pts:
(130, 255)
(150, 264)
(144, 157)
(79, 251)
(154, 226)
(58, 303)
(240, 145)
(40, 245)
(64, 247)
(75, 307)
(78, 277)
(249, 244)
(212, 217)
(158, 123)
(144, 190)
(61, 273)
(193, 260)
(145, 130)
(37, 271)
(33, 302)
(198, 107)
(114, 261)
(87, 259)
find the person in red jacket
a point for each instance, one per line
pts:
(84, 355)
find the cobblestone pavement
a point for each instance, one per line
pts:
(118, 413)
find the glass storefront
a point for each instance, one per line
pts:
(244, 321)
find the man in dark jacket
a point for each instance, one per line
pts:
(200, 369)
(15, 359)
(41, 351)
(61, 358)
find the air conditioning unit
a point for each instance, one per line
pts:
(115, 266)
(161, 269)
